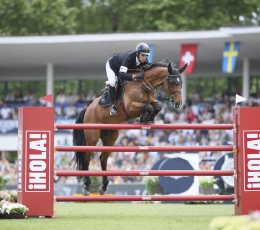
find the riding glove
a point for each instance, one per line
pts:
(140, 75)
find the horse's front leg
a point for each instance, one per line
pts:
(157, 108)
(87, 181)
(137, 109)
(148, 111)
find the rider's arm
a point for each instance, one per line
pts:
(123, 71)
(125, 76)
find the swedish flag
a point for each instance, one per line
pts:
(230, 55)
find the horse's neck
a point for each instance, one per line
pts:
(156, 76)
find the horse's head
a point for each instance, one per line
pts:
(173, 84)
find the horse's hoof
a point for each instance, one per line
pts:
(85, 192)
(101, 191)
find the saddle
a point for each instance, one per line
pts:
(120, 89)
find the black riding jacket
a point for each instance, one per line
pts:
(127, 59)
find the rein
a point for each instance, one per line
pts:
(150, 89)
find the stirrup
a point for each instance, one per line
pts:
(113, 110)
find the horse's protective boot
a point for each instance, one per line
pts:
(111, 95)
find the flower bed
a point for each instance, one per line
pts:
(4, 195)
(8, 195)
(207, 182)
(9, 210)
(153, 186)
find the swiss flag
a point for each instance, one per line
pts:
(188, 55)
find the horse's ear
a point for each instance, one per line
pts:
(183, 68)
(170, 69)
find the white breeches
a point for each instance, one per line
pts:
(110, 75)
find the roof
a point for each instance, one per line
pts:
(84, 56)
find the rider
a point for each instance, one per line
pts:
(118, 65)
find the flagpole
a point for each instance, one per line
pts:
(49, 85)
(184, 88)
(246, 78)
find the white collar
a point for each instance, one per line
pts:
(137, 61)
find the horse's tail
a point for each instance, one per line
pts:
(79, 140)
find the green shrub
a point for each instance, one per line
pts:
(2, 182)
(207, 182)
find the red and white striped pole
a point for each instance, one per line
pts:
(147, 173)
(145, 126)
(144, 148)
(146, 198)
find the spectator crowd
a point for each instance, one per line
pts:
(214, 110)
(66, 105)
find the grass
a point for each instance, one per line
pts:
(123, 216)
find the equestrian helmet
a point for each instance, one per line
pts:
(143, 48)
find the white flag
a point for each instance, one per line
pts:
(239, 99)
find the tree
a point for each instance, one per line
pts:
(36, 17)
(166, 15)
(47, 17)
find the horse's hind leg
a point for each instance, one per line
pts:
(109, 138)
(87, 181)
(92, 137)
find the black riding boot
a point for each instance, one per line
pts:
(111, 95)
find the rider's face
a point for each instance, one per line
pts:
(142, 57)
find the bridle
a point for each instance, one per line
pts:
(177, 80)
(148, 87)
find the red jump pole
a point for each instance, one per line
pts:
(145, 198)
(144, 126)
(143, 148)
(147, 173)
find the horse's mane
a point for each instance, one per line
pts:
(164, 62)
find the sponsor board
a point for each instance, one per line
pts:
(37, 161)
(251, 155)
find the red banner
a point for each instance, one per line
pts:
(188, 55)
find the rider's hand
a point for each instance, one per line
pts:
(140, 75)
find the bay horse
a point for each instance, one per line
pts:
(138, 100)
